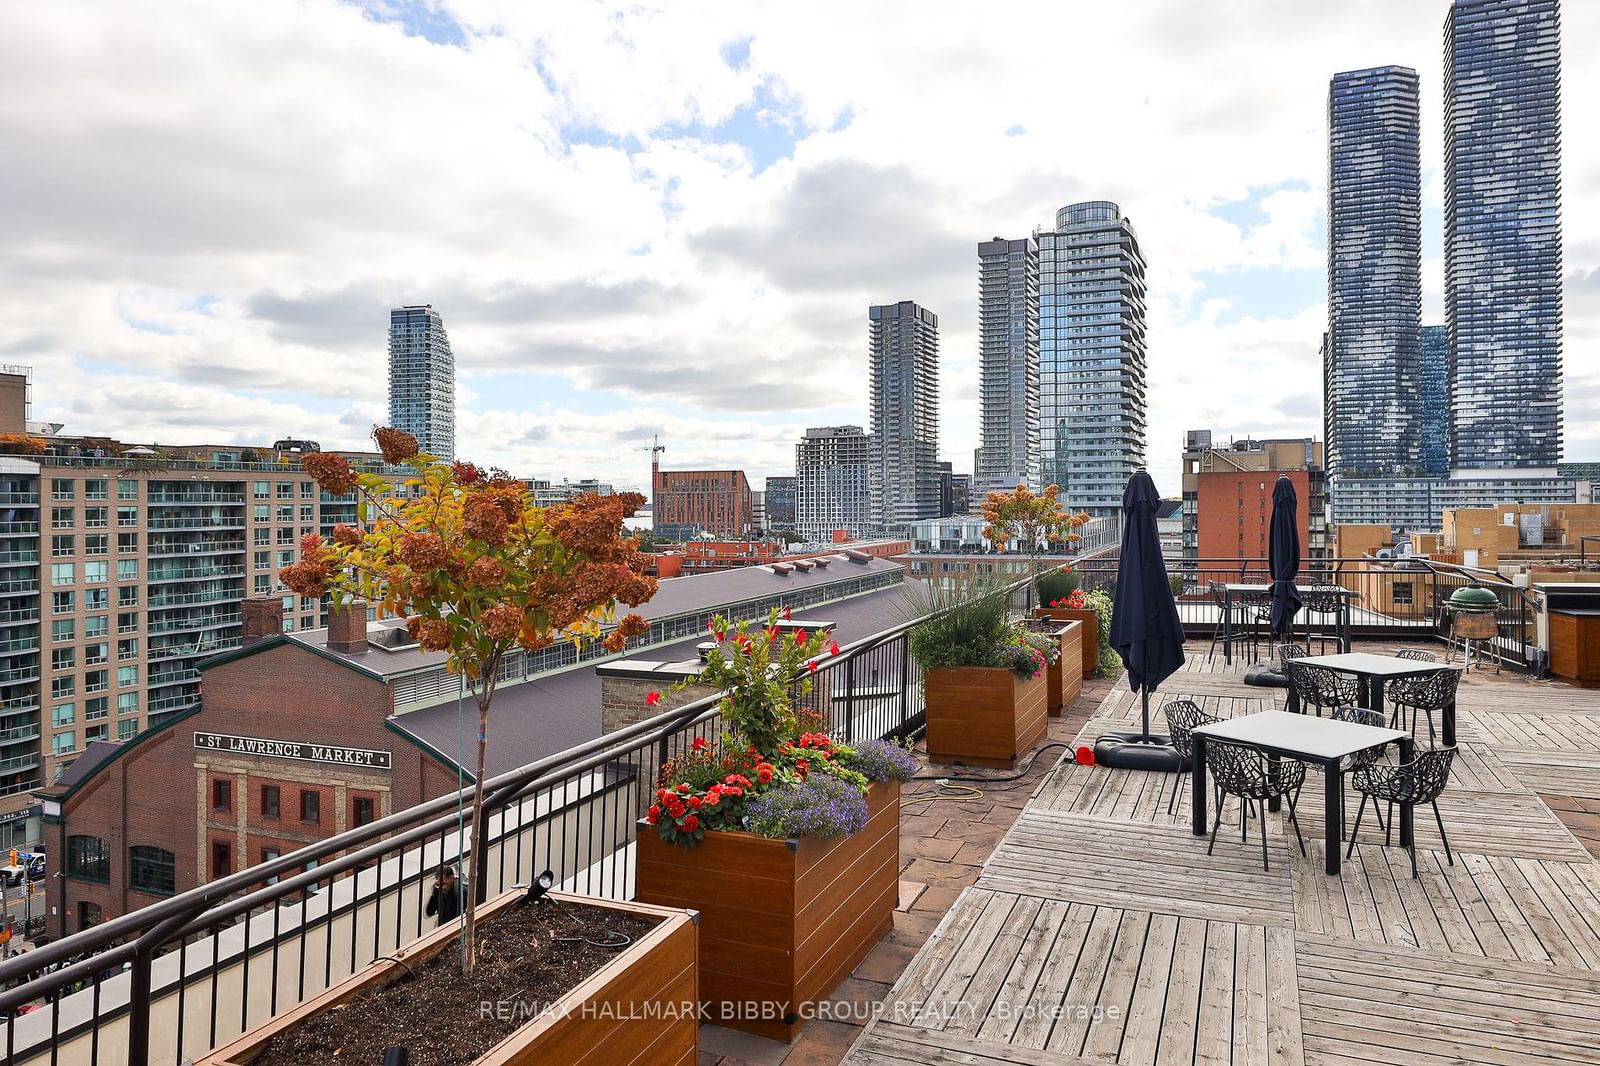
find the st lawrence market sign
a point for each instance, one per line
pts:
(290, 749)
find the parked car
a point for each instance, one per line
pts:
(29, 865)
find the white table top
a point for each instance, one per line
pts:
(1301, 734)
(1234, 586)
(1371, 665)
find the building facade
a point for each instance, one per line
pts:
(1008, 365)
(903, 369)
(548, 493)
(1374, 272)
(780, 502)
(833, 482)
(1091, 356)
(690, 503)
(1502, 231)
(1407, 505)
(1245, 464)
(1433, 347)
(422, 379)
(1234, 511)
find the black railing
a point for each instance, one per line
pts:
(174, 979)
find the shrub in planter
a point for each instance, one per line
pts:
(1057, 584)
(784, 839)
(1099, 601)
(1062, 642)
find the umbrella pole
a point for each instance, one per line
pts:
(1139, 751)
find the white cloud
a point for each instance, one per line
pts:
(209, 210)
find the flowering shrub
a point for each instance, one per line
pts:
(754, 668)
(820, 806)
(1099, 601)
(1025, 658)
(881, 760)
(1074, 601)
(1057, 583)
(1029, 521)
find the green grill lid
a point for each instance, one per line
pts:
(1474, 598)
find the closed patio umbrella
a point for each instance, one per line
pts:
(1145, 629)
(1283, 555)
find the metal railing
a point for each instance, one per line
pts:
(173, 979)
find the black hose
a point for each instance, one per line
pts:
(1020, 772)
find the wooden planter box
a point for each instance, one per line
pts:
(1090, 642)
(1066, 673)
(983, 716)
(629, 1012)
(782, 922)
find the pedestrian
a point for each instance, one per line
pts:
(446, 900)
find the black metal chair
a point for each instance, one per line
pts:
(1319, 687)
(1416, 654)
(1230, 616)
(1183, 718)
(1423, 693)
(1417, 782)
(1240, 770)
(1361, 760)
(1325, 609)
(1258, 618)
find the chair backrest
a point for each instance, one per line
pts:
(1429, 772)
(1321, 687)
(1287, 652)
(1183, 718)
(1314, 602)
(1432, 691)
(1417, 654)
(1236, 768)
(1358, 715)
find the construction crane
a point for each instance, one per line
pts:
(655, 448)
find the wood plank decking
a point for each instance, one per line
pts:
(1100, 931)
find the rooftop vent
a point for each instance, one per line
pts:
(391, 638)
(857, 556)
(802, 565)
(821, 564)
(782, 569)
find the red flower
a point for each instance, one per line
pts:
(721, 635)
(1084, 755)
(698, 745)
(684, 789)
(737, 780)
(695, 802)
(812, 666)
(653, 815)
(764, 773)
(691, 823)
(713, 798)
(788, 614)
(465, 473)
(675, 808)
(833, 649)
(652, 699)
(800, 636)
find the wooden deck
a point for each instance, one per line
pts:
(1100, 930)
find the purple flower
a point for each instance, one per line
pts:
(881, 760)
(820, 806)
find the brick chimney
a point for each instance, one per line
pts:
(261, 617)
(347, 628)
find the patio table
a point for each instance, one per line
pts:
(1374, 670)
(1321, 741)
(1241, 589)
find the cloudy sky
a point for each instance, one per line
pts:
(671, 218)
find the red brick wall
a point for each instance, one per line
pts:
(1234, 512)
(716, 500)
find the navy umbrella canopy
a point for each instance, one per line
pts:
(1283, 555)
(1145, 630)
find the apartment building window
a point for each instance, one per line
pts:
(221, 794)
(62, 517)
(63, 714)
(127, 543)
(127, 649)
(97, 709)
(95, 626)
(95, 599)
(95, 517)
(94, 733)
(263, 560)
(288, 624)
(88, 858)
(262, 490)
(152, 870)
(262, 512)
(307, 514)
(128, 622)
(63, 658)
(285, 558)
(63, 547)
(127, 488)
(221, 859)
(285, 490)
(128, 703)
(63, 687)
(94, 489)
(269, 801)
(1403, 594)
(263, 585)
(96, 681)
(63, 629)
(285, 536)
(127, 728)
(95, 544)
(96, 573)
(363, 812)
(127, 516)
(308, 490)
(128, 596)
(267, 855)
(127, 570)
(63, 602)
(61, 488)
(261, 536)
(64, 743)
(127, 676)
(310, 806)
(95, 654)
(286, 513)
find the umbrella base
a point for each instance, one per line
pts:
(1139, 751)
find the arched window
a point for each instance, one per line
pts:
(88, 858)
(152, 870)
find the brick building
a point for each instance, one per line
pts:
(687, 503)
(308, 733)
(1250, 462)
(1234, 515)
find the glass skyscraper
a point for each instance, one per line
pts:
(903, 343)
(422, 379)
(1372, 375)
(1435, 401)
(1091, 356)
(1502, 232)
(1008, 366)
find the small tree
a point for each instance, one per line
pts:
(476, 570)
(1030, 520)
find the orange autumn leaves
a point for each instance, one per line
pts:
(1029, 520)
(471, 564)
